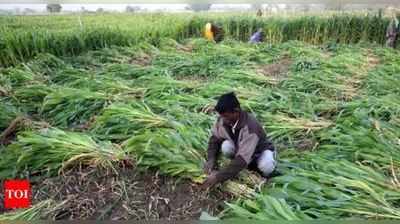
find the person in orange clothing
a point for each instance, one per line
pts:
(214, 33)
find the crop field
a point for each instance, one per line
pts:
(119, 130)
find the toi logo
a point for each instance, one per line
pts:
(17, 194)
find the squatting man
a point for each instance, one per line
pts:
(240, 137)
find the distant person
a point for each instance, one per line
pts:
(214, 32)
(238, 136)
(392, 32)
(257, 37)
(259, 13)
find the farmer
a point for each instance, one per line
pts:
(392, 32)
(257, 37)
(240, 137)
(214, 32)
(259, 13)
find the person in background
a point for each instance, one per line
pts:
(214, 32)
(257, 37)
(240, 137)
(392, 32)
(259, 13)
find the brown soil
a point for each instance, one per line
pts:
(85, 126)
(306, 145)
(3, 91)
(185, 48)
(326, 55)
(372, 61)
(276, 71)
(142, 60)
(350, 86)
(89, 193)
(353, 82)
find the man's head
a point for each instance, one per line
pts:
(228, 107)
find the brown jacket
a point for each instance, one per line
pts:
(250, 141)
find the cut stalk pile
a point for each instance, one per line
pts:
(51, 150)
(120, 121)
(66, 106)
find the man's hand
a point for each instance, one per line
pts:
(210, 181)
(209, 167)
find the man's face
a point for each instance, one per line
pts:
(229, 118)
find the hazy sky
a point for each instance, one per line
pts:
(74, 7)
(114, 7)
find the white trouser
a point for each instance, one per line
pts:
(266, 162)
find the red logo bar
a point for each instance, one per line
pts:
(17, 194)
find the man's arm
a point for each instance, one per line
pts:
(214, 144)
(232, 170)
(246, 150)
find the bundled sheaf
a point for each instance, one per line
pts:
(121, 121)
(51, 150)
(67, 106)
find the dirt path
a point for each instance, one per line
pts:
(98, 194)
(276, 71)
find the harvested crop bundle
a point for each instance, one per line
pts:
(207, 65)
(30, 97)
(127, 71)
(32, 213)
(66, 107)
(52, 149)
(165, 85)
(19, 77)
(323, 188)
(124, 89)
(282, 125)
(175, 152)
(238, 189)
(46, 64)
(265, 207)
(182, 104)
(122, 121)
